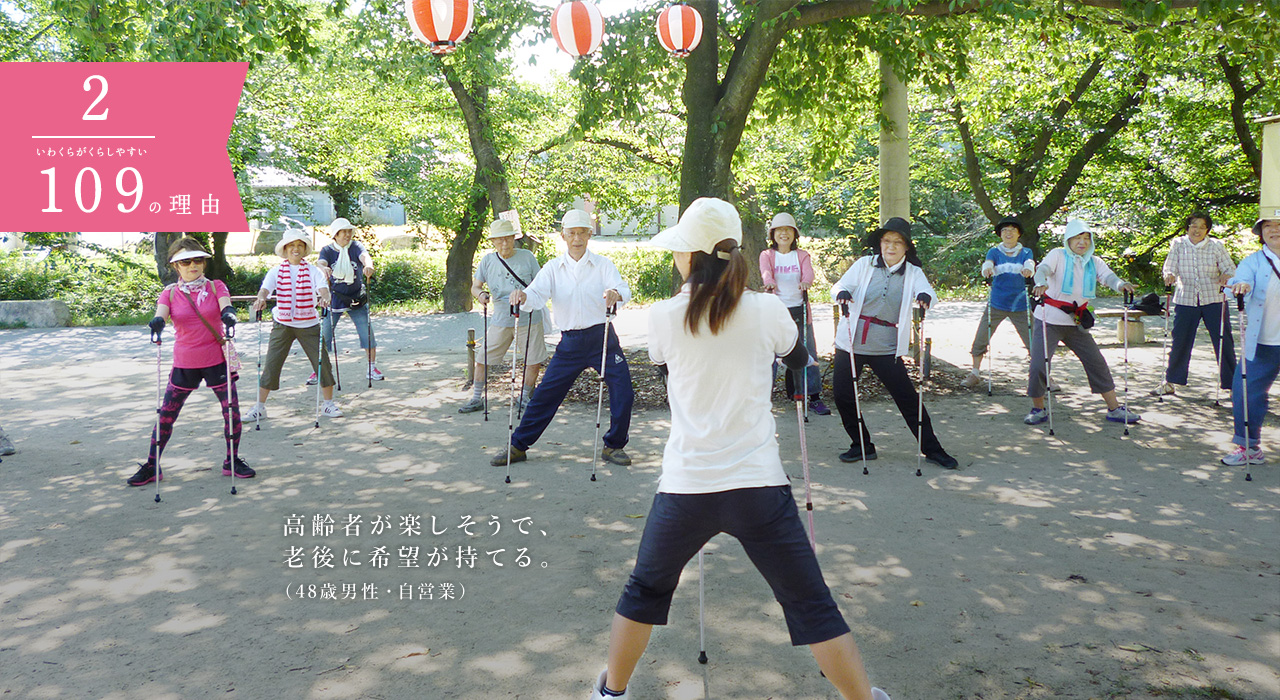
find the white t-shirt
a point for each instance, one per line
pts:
(1270, 333)
(786, 274)
(722, 427)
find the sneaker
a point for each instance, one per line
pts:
(6, 445)
(146, 474)
(257, 412)
(971, 380)
(618, 456)
(242, 470)
(816, 406)
(331, 409)
(311, 381)
(1237, 458)
(1122, 414)
(855, 455)
(500, 459)
(877, 694)
(472, 406)
(374, 374)
(1054, 386)
(597, 689)
(942, 459)
(1036, 417)
(1165, 389)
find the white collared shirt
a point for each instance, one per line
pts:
(576, 290)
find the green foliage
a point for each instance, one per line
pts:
(92, 288)
(408, 275)
(647, 270)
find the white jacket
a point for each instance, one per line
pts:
(855, 281)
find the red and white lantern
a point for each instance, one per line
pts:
(680, 29)
(578, 27)
(440, 23)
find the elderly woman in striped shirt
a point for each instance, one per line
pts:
(1200, 266)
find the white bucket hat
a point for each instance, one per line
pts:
(291, 235)
(188, 254)
(339, 224)
(503, 228)
(576, 218)
(783, 219)
(704, 224)
(1267, 212)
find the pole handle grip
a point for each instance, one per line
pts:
(1239, 302)
(515, 311)
(612, 310)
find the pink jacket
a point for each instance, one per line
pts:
(766, 267)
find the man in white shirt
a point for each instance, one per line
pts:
(581, 286)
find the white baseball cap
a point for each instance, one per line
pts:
(576, 218)
(704, 224)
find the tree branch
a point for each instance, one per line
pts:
(1239, 95)
(647, 156)
(30, 41)
(972, 170)
(820, 12)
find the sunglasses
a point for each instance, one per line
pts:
(189, 261)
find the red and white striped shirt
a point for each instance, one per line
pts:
(297, 290)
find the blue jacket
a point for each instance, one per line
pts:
(1255, 270)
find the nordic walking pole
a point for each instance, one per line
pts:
(320, 375)
(257, 421)
(857, 398)
(155, 338)
(1128, 300)
(228, 332)
(804, 460)
(368, 332)
(511, 394)
(920, 405)
(1048, 355)
(1222, 336)
(333, 330)
(990, 352)
(804, 342)
(702, 623)
(484, 305)
(1244, 377)
(1168, 291)
(524, 369)
(609, 313)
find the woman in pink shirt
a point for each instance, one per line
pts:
(788, 272)
(198, 307)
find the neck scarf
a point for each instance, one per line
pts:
(1089, 289)
(343, 270)
(295, 296)
(1203, 242)
(1011, 252)
(197, 286)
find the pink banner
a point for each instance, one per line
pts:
(119, 147)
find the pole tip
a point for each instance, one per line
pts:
(233, 489)
(918, 473)
(865, 471)
(593, 477)
(508, 480)
(702, 657)
(157, 498)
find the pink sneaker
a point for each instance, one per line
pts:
(1238, 458)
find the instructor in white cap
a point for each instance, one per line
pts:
(581, 286)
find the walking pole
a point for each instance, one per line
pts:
(1244, 377)
(228, 332)
(804, 460)
(920, 405)
(524, 369)
(702, 622)
(857, 398)
(804, 342)
(1222, 336)
(257, 421)
(1168, 291)
(511, 394)
(990, 353)
(333, 329)
(484, 305)
(324, 313)
(368, 332)
(604, 354)
(1048, 355)
(1128, 300)
(155, 338)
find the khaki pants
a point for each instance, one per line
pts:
(500, 339)
(282, 338)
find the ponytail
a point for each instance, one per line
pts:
(717, 281)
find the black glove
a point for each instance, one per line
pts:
(844, 298)
(924, 298)
(156, 324)
(229, 318)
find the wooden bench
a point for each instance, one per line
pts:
(1132, 327)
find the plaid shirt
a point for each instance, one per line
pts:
(1198, 270)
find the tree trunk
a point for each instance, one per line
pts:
(345, 200)
(462, 251)
(218, 268)
(164, 271)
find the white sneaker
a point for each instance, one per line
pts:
(877, 694)
(597, 690)
(311, 381)
(971, 380)
(331, 409)
(374, 374)
(1238, 458)
(6, 445)
(258, 412)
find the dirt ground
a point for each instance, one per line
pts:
(1084, 565)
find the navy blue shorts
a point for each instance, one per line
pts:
(767, 523)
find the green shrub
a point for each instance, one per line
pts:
(647, 270)
(405, 275)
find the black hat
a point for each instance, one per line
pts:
(1010, 221)
(899, 226)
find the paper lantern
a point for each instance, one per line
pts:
(577, 27)
(440, 23)
(680, 29)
